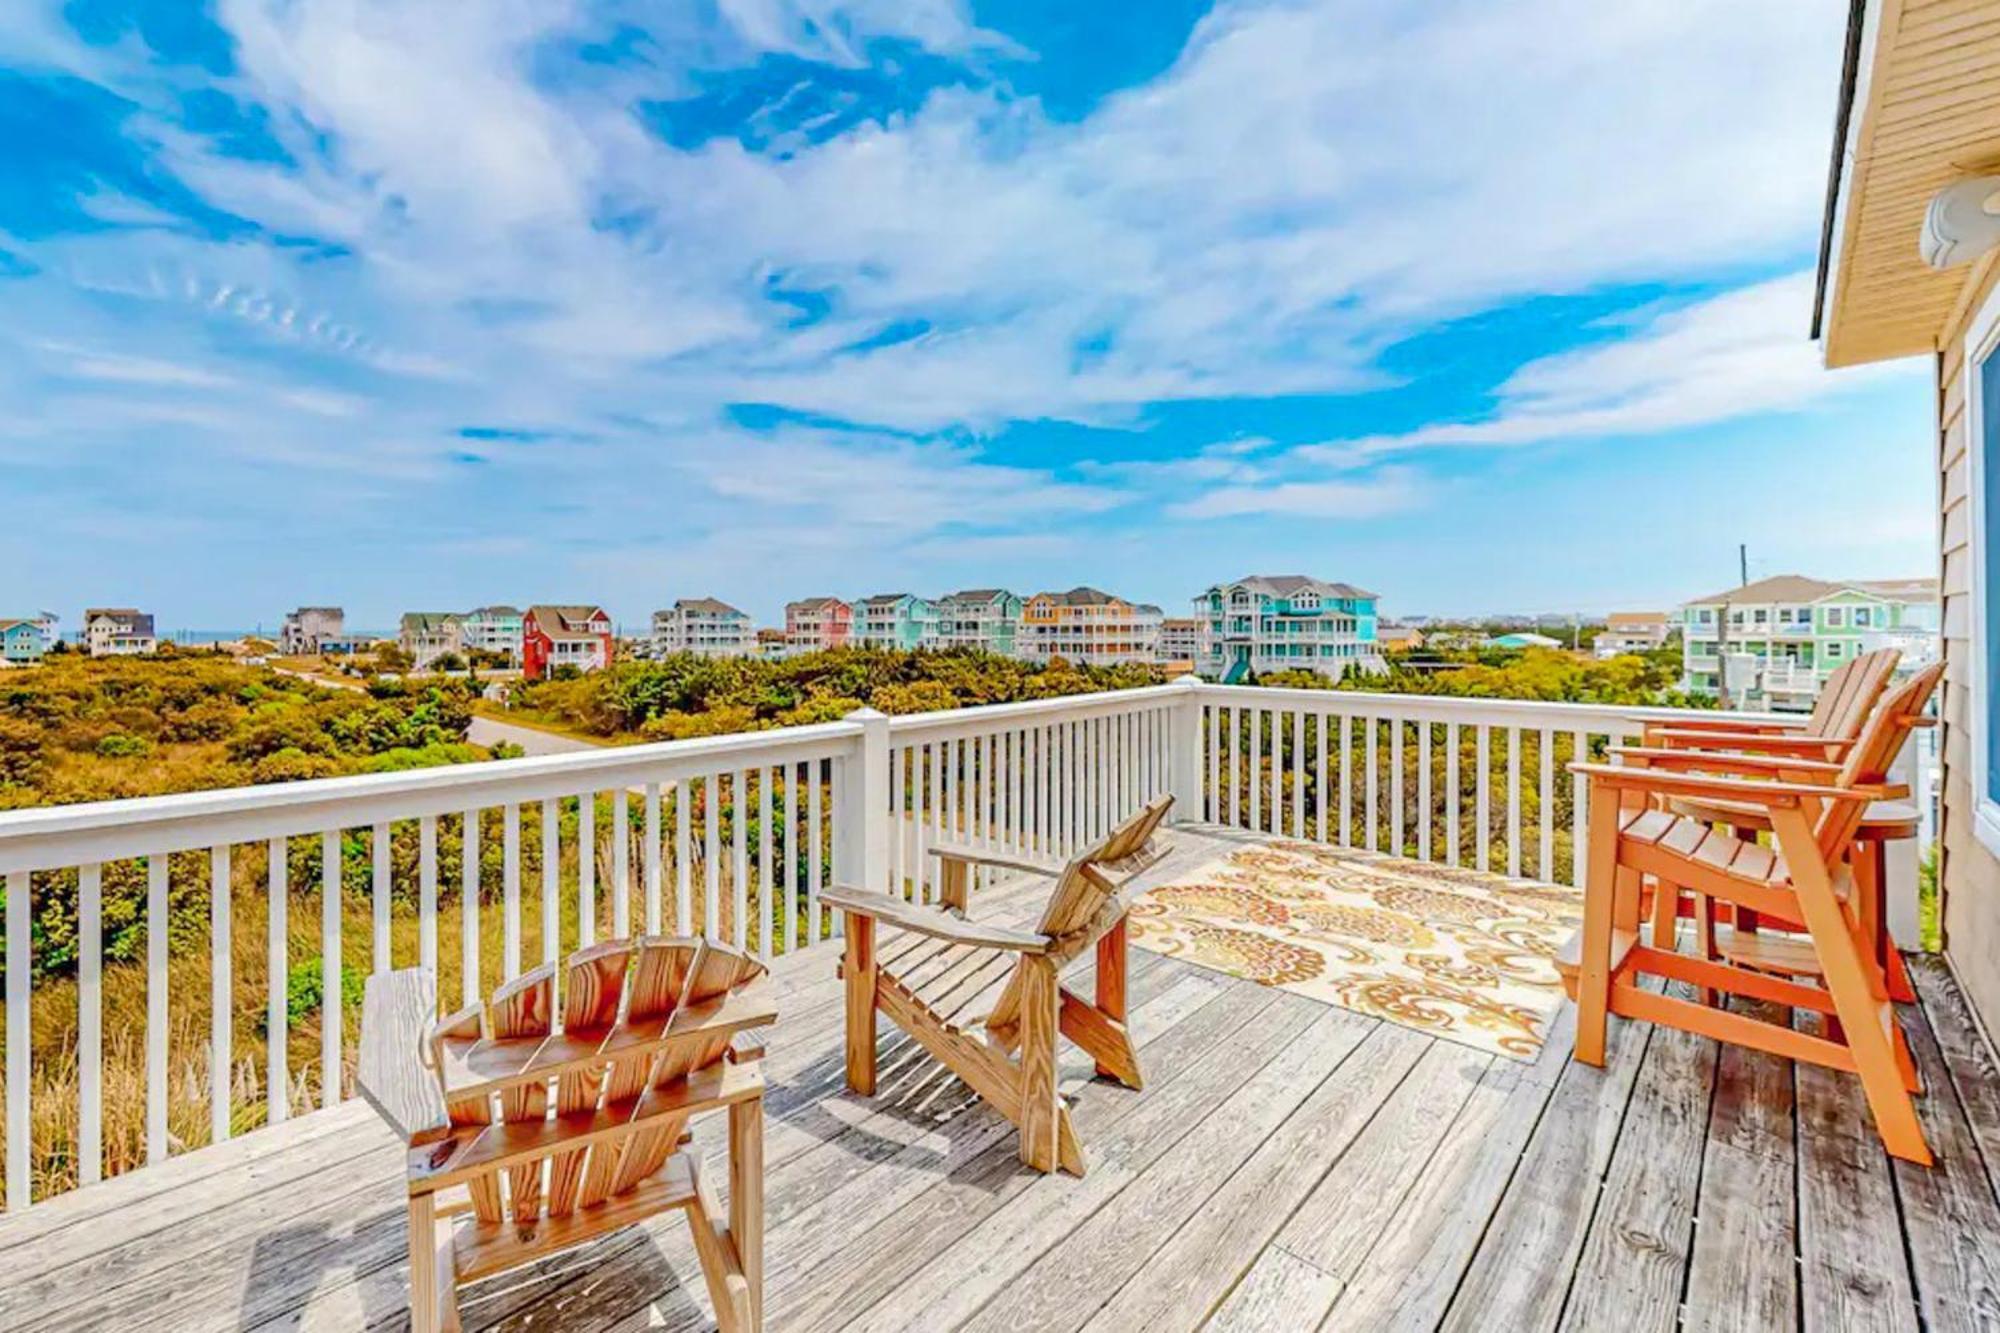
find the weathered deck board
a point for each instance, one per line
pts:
(1636, 1254)
(1285, 1166)
(1853, 1271)
(1191, 1274)
(1950, 1215)
(1744, 1272)
(1059, 1291)
(1520, 1273)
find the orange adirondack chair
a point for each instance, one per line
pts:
(525, 1141)
(1843, 705)
(1814, 814)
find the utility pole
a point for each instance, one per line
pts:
(1722, 627)
(1742, 564)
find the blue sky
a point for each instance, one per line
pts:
(1483, 306)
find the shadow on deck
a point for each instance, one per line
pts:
(1288, 1165)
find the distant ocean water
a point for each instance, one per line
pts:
(201, 636)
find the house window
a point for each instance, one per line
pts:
(1982, 360)
(1836, 617)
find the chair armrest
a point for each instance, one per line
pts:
(1738, 765)
(1771, 795)
(983, 856)
(932, 921)
(397, 1009)
(1694, 723)
(1756, 741)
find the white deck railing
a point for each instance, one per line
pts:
(731, 836)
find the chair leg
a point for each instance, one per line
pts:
(1593, 982)
(746, 1197)
(1866, 1021)
(1039, 1107)
(433, 1281)
(859, 967)
(1704, 937)
(1666, 915)
(1113, 956)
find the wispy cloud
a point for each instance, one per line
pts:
(1731, 356)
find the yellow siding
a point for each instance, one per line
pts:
(1971, 875)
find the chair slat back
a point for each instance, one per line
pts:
(1083, 887)
(615, 993)
(1874, 753)
(1850, 695)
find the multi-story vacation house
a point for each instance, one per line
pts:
(988, 619)
(20, 642)
(118, 632)
(1180, 642)
(1397, 638)
(703, 626)
(1286, 622)
(46, 622)
(896, 620)
(1089, 627)
(1632, 632)
(493, 629)
(1780, 637)
(817, 624)
(308, 629)
(564, 636)
(428, 635)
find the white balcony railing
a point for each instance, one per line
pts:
(730, 836)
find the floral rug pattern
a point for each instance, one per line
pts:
(1459, 954)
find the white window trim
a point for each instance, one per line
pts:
(1982, 339)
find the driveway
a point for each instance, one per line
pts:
(488, 731)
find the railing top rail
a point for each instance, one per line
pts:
(65, 835)
(989, 716)
(1504, 712)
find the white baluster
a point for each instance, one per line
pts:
(219, 997)
(90, 1023)
(277, 1010)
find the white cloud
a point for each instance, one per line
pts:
(1738, 354)
(1389, 491)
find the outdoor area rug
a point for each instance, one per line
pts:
(1462, 955)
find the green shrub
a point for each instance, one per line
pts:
(122, 746)
(305, 985)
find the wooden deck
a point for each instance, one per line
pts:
(1288, 1165)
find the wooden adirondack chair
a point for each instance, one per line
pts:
(1086, 907)
(1843, 705)
(525, 1140)
(1814, 815)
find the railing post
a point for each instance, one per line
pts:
(862, 839)
(1185, 758)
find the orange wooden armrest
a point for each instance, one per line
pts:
(1769, 794)
(1729, 724)
(1682, 738)
(1747, 765)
